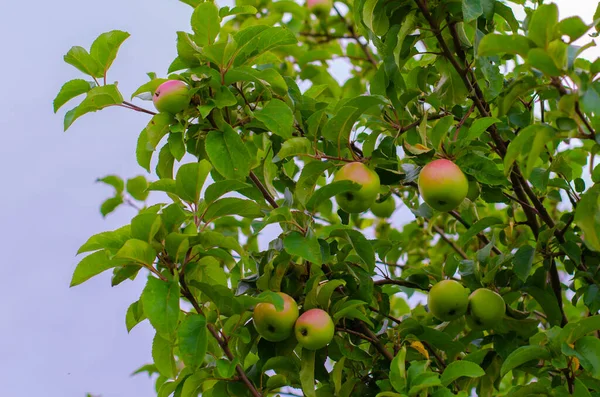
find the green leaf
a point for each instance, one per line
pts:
(542, 26)
(277, 117)
(112, 240)
(484, 169)
(143, 151)
(82, 60)
(330, 190)
(193, 339)
(398, 371)
(137, 188)
(157, 128)
(528, 146)
(308, 179)
(523, 355)
(162, 354)
(294, 147)
(543, 62)
(423, 381)
(114, 181)
(375, 18)
(586, 217)
(228, 154)
(206, 23)
(307, 248)
(91, 266)
(239, 10)
(471, 9)
(496, 44)
(307, 373)
(233, 206)
(338, 128)
(575, 330)
(148, 87)
(110, 205)
(135, 315)
(478, 227)
(588, 352)
(217, 189)
(507, 13)
(547, 301)
(573, 27)
(161, 304)
(479, 126)
(522, 261)
(137, 251)
(221, 296)
(256, 40)
(457, 369)
(440, 131)
(104, 49)
(190, 179)
(224, 97)
(96, 99)
(360, 244)
(70, 90)
(145, 226)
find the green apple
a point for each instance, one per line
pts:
(314, 329)
(443, 185)
(321, 8)
(274, 325)
(362, 199)
(384, 209)
(448, 300)
(172, 96)
(486, 308)
(474, 190)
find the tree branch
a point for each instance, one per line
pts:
(263, 190)
(357, 39)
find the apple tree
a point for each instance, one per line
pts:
(292, 222)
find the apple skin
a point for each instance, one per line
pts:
(486, 308)
(276, 326)
(443, 185)
(321, 8)
(448, 300)
(384, 209)
(361, 200)
(314, 329)
(474, 190)
(172, 96)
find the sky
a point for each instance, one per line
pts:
(58, 341)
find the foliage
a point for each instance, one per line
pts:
(510, 101)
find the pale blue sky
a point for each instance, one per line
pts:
(56, 341)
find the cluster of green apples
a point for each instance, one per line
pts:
(313, 329)
(449, 300)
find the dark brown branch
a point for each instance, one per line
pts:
(137, 108)
(481, 237)
(263, 190)
(356, 38)
(451, 243)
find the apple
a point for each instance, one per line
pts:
(384, 209)
(314, 329)
(486, 308)
(474, 190)
(274, 325)
(443, 185)
(362, 199)
(321, 8)
(448, 300)
(172, 96)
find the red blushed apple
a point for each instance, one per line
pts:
(443, 185)
(172, 96)
(321, 8)
(314, 329)
(274, 325)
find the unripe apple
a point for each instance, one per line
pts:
(321, 8)
(448, 300)
(362, 199)
(474, 190)
(442, 185)
(314, 329)
(274, 325)
(172, 96)
(486, 308)
(384, 209)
